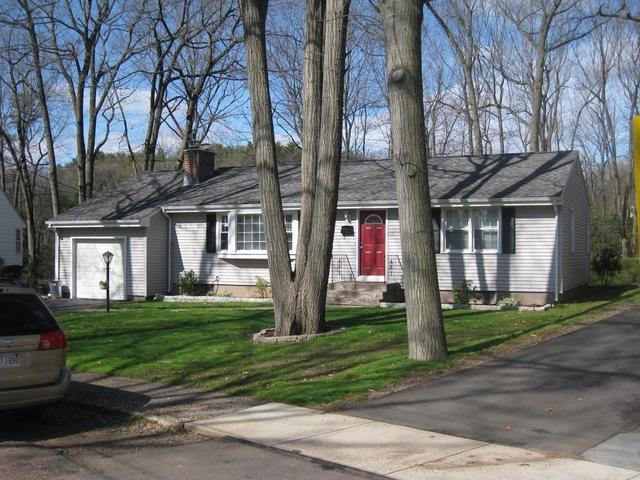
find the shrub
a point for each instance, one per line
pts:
(465, 292)
(262, 287)
(509, 303)
(606, 263)
(188, 283)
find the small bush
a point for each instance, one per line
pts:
(262, 287)
(188, 283)
(464, 293)
(509, 302)
(606, 263)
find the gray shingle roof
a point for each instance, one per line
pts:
(522, 176)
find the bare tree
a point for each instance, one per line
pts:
(300, 295)
(206, 69)
(91, 41)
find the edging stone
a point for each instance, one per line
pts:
(206, 298)
(260, 338)
(467, 306)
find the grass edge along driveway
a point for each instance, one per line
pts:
(209, 346)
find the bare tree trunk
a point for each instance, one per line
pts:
(42, 99)
(311, 305)
(254, 13)
(402, 20)
(299, 298)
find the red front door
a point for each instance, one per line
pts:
(372, 242)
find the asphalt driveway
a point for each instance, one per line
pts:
(67, 305)
(563, 396)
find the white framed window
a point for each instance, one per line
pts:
(486, 222)
(572, 232)
(250, 233)
(239, 232)
(455, 229)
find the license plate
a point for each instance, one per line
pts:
(9, 360)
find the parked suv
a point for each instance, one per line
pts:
(33, 351)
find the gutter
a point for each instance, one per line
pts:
(169, 259)
(556, 262)
(480, 202)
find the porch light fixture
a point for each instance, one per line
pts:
(107, 257)
(347, 216)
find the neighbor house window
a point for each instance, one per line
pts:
(456, 229)
(224, 232)
(18, 240)
(250, 232)
(485, 229)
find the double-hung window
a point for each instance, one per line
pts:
(224, 232)
(485, 229)
(471, 229)
(456, 229)
(250, 234)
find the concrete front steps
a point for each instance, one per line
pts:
(366, 294)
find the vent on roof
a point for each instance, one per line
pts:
(198, 165)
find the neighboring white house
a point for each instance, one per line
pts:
(514, 224)
(11, 232)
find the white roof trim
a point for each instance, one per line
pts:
(95, 223)
(537, 201)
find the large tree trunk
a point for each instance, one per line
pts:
(254, 13)
(313, 286)
(402, 21)
(299, 298)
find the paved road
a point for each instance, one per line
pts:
(562, 396)
(74, 442)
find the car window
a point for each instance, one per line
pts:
(24, 314)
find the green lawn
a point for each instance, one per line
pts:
(209, 345)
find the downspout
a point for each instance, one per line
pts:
(556, 262)
(169, 259)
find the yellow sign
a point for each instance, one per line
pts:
(635, 138)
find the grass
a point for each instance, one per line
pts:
(209, 346)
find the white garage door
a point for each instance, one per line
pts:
(90, 269)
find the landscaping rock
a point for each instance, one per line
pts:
(266, 336)
(197, 298)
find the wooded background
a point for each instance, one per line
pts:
(94, 91)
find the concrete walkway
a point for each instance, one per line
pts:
(395, 451)
(365, 445)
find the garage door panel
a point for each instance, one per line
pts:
(90, 269)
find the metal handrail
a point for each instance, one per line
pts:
(341, 268)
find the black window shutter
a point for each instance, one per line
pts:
(436, 221)
(211, 233)
(508, 230)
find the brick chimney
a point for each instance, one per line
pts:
(198, 165)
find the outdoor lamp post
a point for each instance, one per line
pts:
(107, 257)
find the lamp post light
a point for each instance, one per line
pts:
(107, 257)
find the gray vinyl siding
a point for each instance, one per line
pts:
(10, 221)
(575, 266)
(530, 269)
(188, 246)
(157, 254)
(135, 244)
